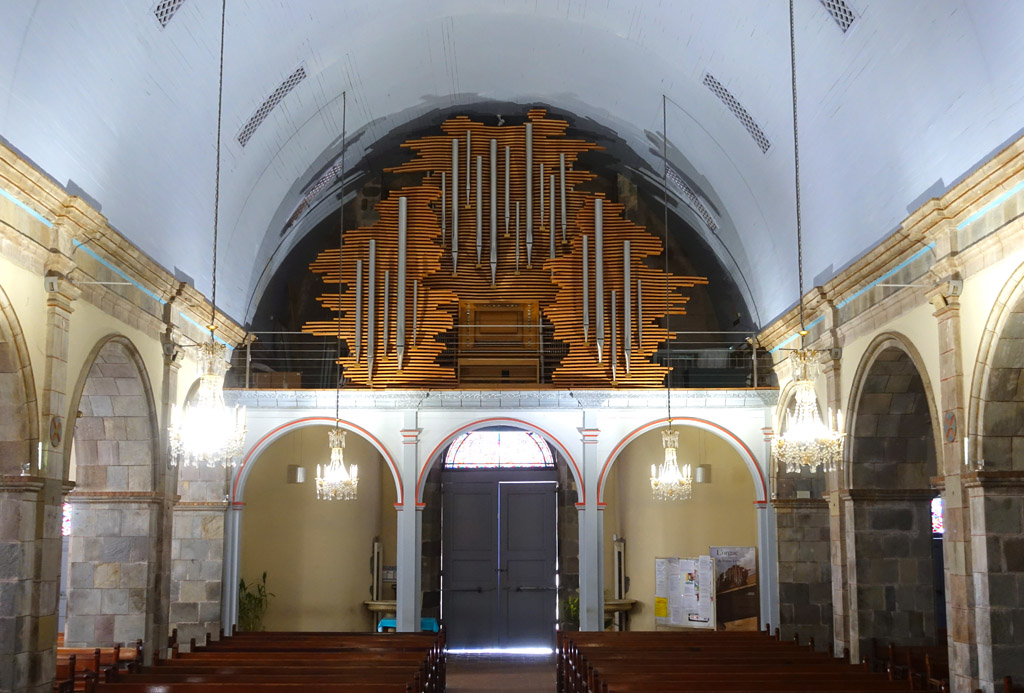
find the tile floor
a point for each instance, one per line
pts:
(507, 673)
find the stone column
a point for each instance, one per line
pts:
(591, 522)
(197, 554)
(805, 575)
(996, 500)
(956, 543)
(889, 567)
(410, 533)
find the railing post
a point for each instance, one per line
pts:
(248, 360)
(753, 348)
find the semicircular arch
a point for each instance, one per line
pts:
(734, 441)
(435, 454)
(16, 365)
(254, 452)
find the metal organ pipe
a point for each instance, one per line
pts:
(494, 210)
(561, 172)
(627, 305)
(599, 276)
(529, 195)
(479, 208)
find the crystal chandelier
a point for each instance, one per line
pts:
(807, 442)
(333, 482)
(667, 482)
(207, 432)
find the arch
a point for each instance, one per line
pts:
(138, 368)
(879, 345)
(17, 365)
(757, 475)
(435, 454)
(244, 469)
(995, 326)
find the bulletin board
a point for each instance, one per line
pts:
(684, 592)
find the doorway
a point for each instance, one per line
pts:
(499, 569)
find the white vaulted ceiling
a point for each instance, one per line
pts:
(109, 102)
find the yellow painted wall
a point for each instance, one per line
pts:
(720, 513)
(316, 553)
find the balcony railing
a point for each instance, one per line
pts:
(527, 357)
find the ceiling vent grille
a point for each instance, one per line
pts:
(840, 12)
(165, 9)
(737, 110)
(268, 105)
(692, 198)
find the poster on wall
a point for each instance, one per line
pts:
(684, 592)
(738, 604)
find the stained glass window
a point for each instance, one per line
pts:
(937, 527)
(65, 520)
(494, 449)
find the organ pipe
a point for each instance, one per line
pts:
(627, 306)
(400, 293)
(479, 208)
(529, 195)
(561, 192)
(494, 210)
(359, 308)
(599, 276)
(455, 207)
(371, 309)
(586, 291)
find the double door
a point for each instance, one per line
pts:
(498, 559)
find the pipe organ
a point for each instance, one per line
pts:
(599, 294)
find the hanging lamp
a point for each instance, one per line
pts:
(206, 432)
(806, 442)
(667, 481)
(333, 480)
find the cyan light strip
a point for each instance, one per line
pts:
(991, 205)
(791, 337)
(28, 209)
(113, 268)
(204, 327)
(894, 270)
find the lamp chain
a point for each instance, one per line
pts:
(216, 183)
(796, 168)
(664, 187)
(341, 234)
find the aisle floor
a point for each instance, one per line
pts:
(508, 673)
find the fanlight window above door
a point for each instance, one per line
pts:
(498, 449)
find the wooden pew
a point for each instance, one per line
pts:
(700, 661)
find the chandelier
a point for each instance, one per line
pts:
(807, 442)
(333, 482)
(206, 432)
(667, 482)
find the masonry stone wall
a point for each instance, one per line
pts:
(997, 526)
(805, 573)
(114, 547)
(1003, 441)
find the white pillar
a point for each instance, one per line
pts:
(410, 532)
(591, 523)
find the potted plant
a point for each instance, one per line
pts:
(571, 612)
(252, 604)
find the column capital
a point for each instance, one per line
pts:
(411, 436)
(589, 435)
(60, 292)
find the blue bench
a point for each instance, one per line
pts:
(429, 624)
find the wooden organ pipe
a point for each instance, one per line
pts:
(359, 309)
(455, 207)
(561, 172)
(508, 151)
(551, 217)
(586, 291)
(469, 160)
(385, 327)
(627, 306)
(614, 357)
(517, 238)
(479, 208)
(529, 195)
(371, 309)
(540, 180)
(494, 210)
(599, 276)
(400, 292)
